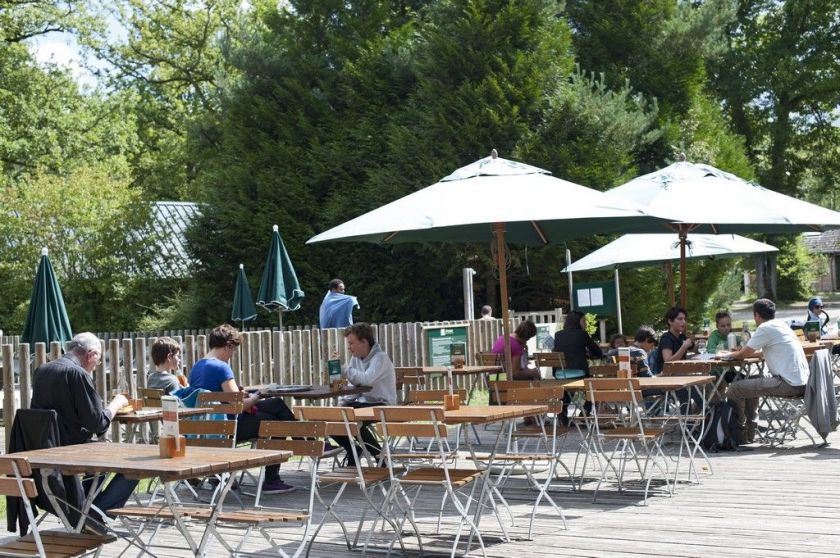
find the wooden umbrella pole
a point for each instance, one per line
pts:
(683, 292)
(499, 231)
(669, 274)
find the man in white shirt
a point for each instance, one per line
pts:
(369, 366)
(784, 359)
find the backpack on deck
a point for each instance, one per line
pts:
(721, 428)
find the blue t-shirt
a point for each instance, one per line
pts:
(210, 374)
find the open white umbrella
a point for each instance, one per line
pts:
(637, 250)
(702, 199)
(495, 199)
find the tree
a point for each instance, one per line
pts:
(780, 81)
(87, 219)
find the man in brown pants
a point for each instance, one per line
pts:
(784, 359)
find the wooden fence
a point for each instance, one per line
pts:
(297, 356)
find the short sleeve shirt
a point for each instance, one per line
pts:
(668, 341)
(782, 351)
(210, 374)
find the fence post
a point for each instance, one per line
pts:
(55, 350)
(265, 368)
(278, 350)
(25, 376)
(128, 368)
(245, 360)
(9, 406)
(113, 380)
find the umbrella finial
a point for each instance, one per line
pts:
(681, 157)
(494, 154)
(275, 228)
(241, 266)
(44, 251)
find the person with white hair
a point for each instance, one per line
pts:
(65, 385)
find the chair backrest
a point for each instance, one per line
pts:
(552, 360)
(603, 371)
(151, 396)
(693, 368)
(613, 390)
(489, 359)
(340, 421)
(214, 429)
(499, 388)
(432, 396)
(551, 396)
(409, 376)
(303, 438)
(228, 402)
(17, 486)
(413, 422)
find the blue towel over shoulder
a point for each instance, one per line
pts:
(337, 310)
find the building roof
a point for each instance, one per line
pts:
(167, 238)
(823, 243)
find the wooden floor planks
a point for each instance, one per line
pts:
(760, 502)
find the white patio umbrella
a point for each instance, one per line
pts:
(638, 250)
(702, 199)
(495, 199)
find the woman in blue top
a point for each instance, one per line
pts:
(213, 373)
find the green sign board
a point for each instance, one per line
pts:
(439, 339)
(596, 298)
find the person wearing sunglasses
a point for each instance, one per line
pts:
(817, 314)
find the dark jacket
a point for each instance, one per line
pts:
(575, 344)
(38, 429)
(67, 388)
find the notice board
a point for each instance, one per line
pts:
(596, 298)
(439, 338)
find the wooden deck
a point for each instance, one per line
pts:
(760, 502)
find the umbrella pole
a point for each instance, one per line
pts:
(618, 302)
(683, 292)
(669, 274)
(499, 231)
(280, 313)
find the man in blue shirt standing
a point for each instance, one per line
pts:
(337, 307)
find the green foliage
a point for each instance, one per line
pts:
(795, 269)
(85, 219)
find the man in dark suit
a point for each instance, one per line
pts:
(65, 385)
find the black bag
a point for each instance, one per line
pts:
(721, 428)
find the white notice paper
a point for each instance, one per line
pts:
(583, 297)
(596, 297)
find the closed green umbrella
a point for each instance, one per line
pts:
(46, 319)
(243, 302)
(279, 288)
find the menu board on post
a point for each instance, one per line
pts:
(439, 338)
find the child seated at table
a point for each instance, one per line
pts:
(166, 356)
(616, 341)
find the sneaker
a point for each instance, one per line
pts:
(276, 486)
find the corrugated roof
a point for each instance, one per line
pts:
(824, 243)
(169, 222)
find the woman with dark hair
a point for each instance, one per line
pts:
(519, 351)
(577, 347)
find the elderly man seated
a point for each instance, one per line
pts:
(784, 360)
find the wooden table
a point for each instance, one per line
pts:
(134, 418)
(473, 414)
(311, 393)
(665, 383)
(137, 461)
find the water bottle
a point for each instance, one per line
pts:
(732, 341)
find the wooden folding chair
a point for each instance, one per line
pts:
(618, 418)
(553, 360)
(547, 436)
(409, 379)
(54, 543)
(425, 423)
(368, 479)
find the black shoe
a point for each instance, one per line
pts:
(95, 528)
